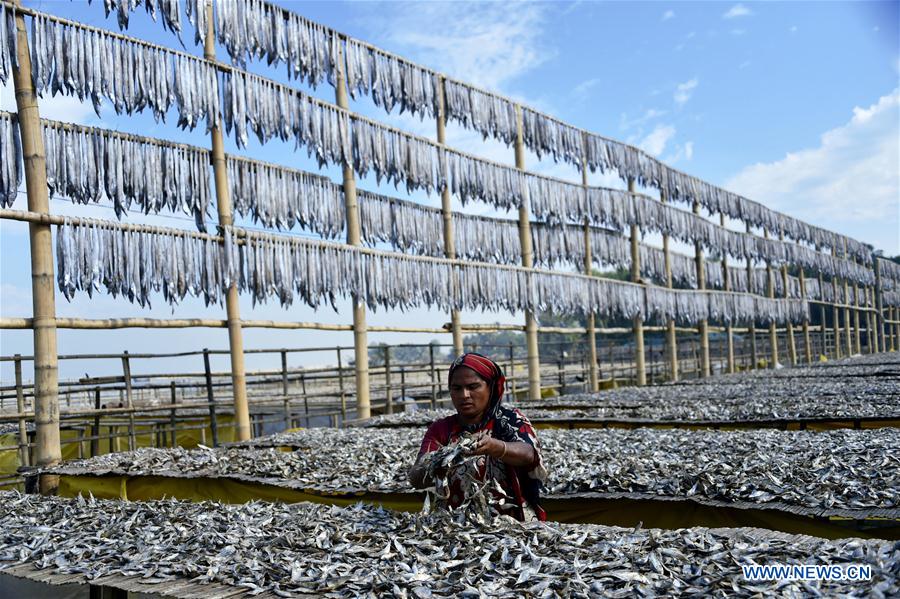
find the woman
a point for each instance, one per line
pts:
(509, 446)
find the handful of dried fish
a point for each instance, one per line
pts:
(454, 461)
(366, 550)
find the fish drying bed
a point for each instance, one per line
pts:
(818, 482)
(209, 549)
(857, 393)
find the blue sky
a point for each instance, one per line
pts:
(794, 104)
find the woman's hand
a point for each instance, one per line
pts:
(489, 446)
(516, 453)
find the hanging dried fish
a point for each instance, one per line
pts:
(283, 198)
(475, 179)
(489, 114)
(272, 110)
(546, 135)
(9, 42)
(396, 156)
(555, 200)
(257, 29)
(10, 159)
(135, 264)
(406, 225)
(133, 75)
(170, 10)
(88, 164)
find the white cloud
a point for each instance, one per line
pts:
(793, 29)
(738, 10)
(684, 91)
(849, 182)
(689, 150)
(744, 64)
(655, 143)
(488, 44)
(652, 113)
(582, 90)
(669, 14)
(738, 32)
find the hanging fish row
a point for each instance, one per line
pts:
(279, 197)
(10, 159)
(256, 28)
(891, 298)
(134, 264)
(889, 269)
(133, 76)
(9, 41)
(88, 165)
(137, 263)
(169, 9)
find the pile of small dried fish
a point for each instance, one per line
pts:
(88, 164)
(833, 470)
(363, 550)
(12, 428)
(132, 75)
(455, 459)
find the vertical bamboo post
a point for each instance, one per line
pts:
(754, 356)
(703, 325)
(173, 421)
(129, 401)
(211, 400)
(360, 335)
(871, 320)
(807, 349)
(24, 458)
(785, 282)
(95, 429)
(46, 376)
(286, 402)
(835, 323)
(895, 338)
(671, 336)
(846, 309)
(726, 282)
(388, 391)
(447, 214)
(878, 304)
(534, 361)
(433, 375)
(773, 332)
(593, 377)
(640, 368)
(341, 387)
(232, 301)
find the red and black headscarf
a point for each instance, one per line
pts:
(505, 420)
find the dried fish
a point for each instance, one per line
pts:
(482, 111)
(364, 550)
(544, 134)
(396, 157)
(11, 160)
(132, 75)
(170, 10)
(9, 41)
(794, 468)
(88, 164)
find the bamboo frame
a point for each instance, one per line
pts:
(593, 372)
(773, 337)
(360, 337)
(702, 326)
(785, 282)
(46, 372)
(447, 218)
(639, 357)
(729, 332)
(671, 335)
(534, 363)
(232, 301)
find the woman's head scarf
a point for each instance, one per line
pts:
(492, 374)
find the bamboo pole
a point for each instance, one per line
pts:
(846, 286)
(895, 339)
(703, 325)
(232, 300)
(360, 337)
(24, 458)
(726, 282)
(447, 215)
(822, 311)
(773, 335)
(671, 335)
(791, 342)
(836, 323)
(807, 343)
(640, 369)
(46, 375)
(534, 364)
(754, 356)
(593, 374)
(880, 339)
